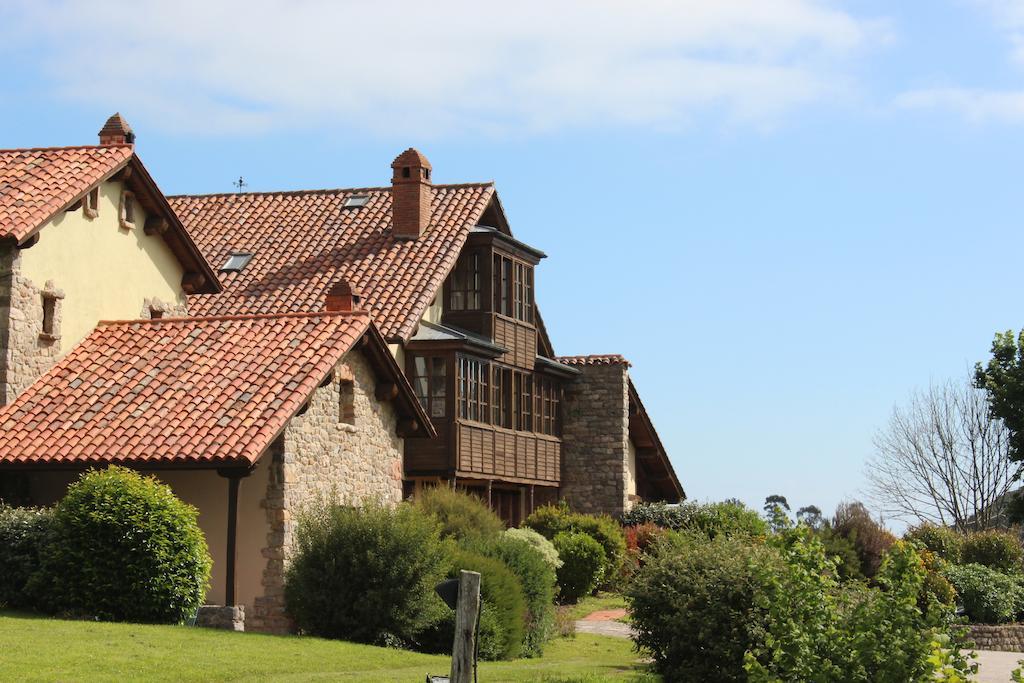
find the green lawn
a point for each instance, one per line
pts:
(40, 649)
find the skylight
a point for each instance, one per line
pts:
(236, 262)
(355, 201)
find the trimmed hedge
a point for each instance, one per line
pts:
(365, 574)
(538, 581)
(583, 560)
(999, 550)
(728, 518)
(23, 534)
(502, 596)
(544, 546)
(461, 515)
(551, 520)
(124, 548)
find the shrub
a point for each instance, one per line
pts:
(544, 546)
(608, 533)
(843, 553)
(462, 516)
(946, 543)
(871, 540)
(124, 548)
(583, 559)
(537, 578)
(640, 539)
(439, 634)
(365, 574)
(729, 518)
(23, 534)
(549, 520)
(999, 550)
(693, 606)
(986, 595)
(502, 595)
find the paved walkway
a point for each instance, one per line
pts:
(995, 667)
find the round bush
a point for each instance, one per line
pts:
(537, 578)
(462, 516)
(608, 533)
(549, 520)
(125, 548)
(23, 534)
(583, 559)
(545, 547)
(999, 550)
(943, 541)
(502, 595)
(986, 595)
(365, 574)
(694, 606)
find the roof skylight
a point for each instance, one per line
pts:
(236, 262)
(356, 201)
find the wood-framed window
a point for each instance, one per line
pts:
(513, 288)
(547, 404)
(523, 389)
(430, 382)
(91, 203)
(464, 287)
(501, 401)
(474, 389)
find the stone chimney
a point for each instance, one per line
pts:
(116, 131)
(341, 297)
(411, 195)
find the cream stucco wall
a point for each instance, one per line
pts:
(631, 470)
(105, 271)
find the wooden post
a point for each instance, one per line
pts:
(466, 611)
(234, 477)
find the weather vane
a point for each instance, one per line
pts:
(240, 183)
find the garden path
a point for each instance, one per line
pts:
(604, 623)
(995, 667)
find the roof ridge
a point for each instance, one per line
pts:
(326, 190)
(240, 316)
(66, 147)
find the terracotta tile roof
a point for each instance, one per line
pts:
(594, 359)
(176, 390)
(303, 242)
(37, 183)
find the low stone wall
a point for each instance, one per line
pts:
(230, 618)
(1004, 637)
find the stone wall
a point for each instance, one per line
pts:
(595, 440)
(25, 351)
(1004, 637)
(320, 455)
(230, 618)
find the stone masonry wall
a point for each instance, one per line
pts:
(595, 440)
(322, 456)
(25, 352)
(1002, 637)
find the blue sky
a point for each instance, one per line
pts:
(787, 214)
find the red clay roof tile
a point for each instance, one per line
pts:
(594, 359)
(305, 242)
(203, 390)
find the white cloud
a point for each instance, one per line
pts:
(1009, 18)
(441, 66)
(978, 106)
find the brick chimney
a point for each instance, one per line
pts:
(340, 297)
(116, 131)
(411, 195)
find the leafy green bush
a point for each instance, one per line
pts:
(365, 574)
(729, 518)
(544, 546)
(124, 548)
(843, 553)
(537, 578)
(999, 550)
(986, 595)
(23, 534)
(462, 516)
(549, 520)
(502, 595)
(438, 635)
(695, 605)
(946, 543)
(583, 559)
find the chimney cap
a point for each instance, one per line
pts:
(410, 157)
(116, 131)
(341, 297)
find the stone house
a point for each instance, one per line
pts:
(259, 350)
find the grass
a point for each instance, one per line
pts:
(593, 603)
(42, 649)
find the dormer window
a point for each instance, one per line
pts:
(356, 201)
(464, 287)
(91, 203)
(236, 262)
(127, 213)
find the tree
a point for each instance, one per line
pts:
(943, 459)
(1003, 381)
(776, 510)
(810, 515)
